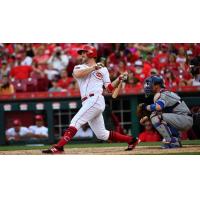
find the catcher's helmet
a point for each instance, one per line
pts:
(91, 51)
(149, 82)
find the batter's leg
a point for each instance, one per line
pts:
(87, 112)
(98, 127)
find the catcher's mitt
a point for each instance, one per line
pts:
(141, 113)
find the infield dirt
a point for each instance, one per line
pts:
(146, 150)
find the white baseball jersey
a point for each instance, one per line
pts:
(12, 133)
(92, 107)
(92, 83)
(39, 130)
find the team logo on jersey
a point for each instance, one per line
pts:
(98, 75)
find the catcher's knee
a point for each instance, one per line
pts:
(155, 119)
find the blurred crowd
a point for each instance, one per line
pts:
(34, 67)
(18, 132)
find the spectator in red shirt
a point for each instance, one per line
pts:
(116, 57)
(139, 71)
(21, 72)
(65, 81)
(41, 57)
(184, 72)
(149, 134)
(132, 82)
(9, 47)
(172, 64)
(131, 57)
(37, 72)
(161, 59)
(148, 65)
(181, 57)
(73, 87)
(170, 79)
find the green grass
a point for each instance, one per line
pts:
(90, 145)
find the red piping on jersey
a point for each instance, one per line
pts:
(87, 84)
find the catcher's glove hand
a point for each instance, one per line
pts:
(141, 111)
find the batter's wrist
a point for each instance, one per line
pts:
(120, 78)
(93, 67)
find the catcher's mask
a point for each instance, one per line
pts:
(150, 82)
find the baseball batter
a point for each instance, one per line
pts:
(169, 115)
(91, 78)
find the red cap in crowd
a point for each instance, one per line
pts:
(38, 117)
(16, 122)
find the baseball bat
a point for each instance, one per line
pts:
(117, 90)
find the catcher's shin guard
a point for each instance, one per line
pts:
(161, 126)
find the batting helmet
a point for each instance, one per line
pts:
(149, 82)
(90, 50)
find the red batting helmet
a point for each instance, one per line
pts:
(91, 51)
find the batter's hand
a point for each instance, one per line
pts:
(123, 77)
(99, 65)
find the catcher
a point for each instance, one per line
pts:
(169, 114)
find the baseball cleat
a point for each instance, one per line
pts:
(174, 143)
(170, 146)
(133, 144)
(54, 150)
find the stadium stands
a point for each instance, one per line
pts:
(26, 64)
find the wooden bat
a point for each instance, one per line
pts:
(117, 90)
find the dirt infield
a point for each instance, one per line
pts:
(146, 150)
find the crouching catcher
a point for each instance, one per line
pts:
(168, 113)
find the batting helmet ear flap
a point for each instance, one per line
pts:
(90, 50)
